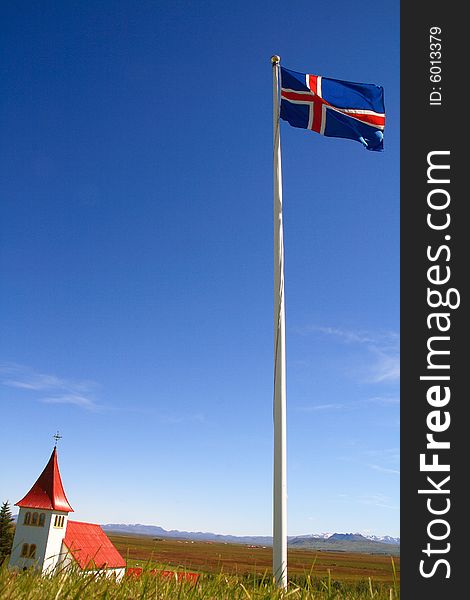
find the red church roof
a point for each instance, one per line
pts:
(48, 492)
(91, 547)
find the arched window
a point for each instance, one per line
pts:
(42, 519)
(59, 521)
(27, 518)
(25, 550)
(32, 551)
(34, 518)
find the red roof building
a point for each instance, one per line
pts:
(46, 540)
(91, 547)
(48, 492)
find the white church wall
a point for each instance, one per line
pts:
(66, 560)
(53, 553)
(117, 573)
(31, 535)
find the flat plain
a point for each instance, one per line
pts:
(241, 559)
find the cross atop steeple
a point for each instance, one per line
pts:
(56, 437)
(48, 492)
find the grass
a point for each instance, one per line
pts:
(28, 585)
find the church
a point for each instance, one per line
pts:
(46, 539)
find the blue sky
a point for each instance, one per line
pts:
(137, 265)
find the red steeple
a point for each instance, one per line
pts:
(48, 492)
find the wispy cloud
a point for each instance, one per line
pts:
(379, 500)
(318, 407)
(75, 399)
(390, 454)
(379, 401)
(386, 368)
(348, 336)
(49, 389)
(382, 400)
(385, 469)
(383, 460)
(382, 345)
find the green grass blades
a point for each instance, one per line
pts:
(28, 585)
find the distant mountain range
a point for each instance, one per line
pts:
(339, 542)
(354, 537)
(347, 542)
(156, 531)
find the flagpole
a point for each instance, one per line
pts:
(280, 485)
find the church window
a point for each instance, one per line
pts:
(32, 551)
(42, 519)
(59, 521)
(25, 550)
(27, 518)
(34, 518)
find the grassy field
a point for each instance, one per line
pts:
(243, 560)
(227, 572)
(28, 585)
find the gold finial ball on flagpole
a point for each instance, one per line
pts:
(275, 60)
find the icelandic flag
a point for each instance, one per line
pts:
(334, 108)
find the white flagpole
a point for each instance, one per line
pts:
(280, 485)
